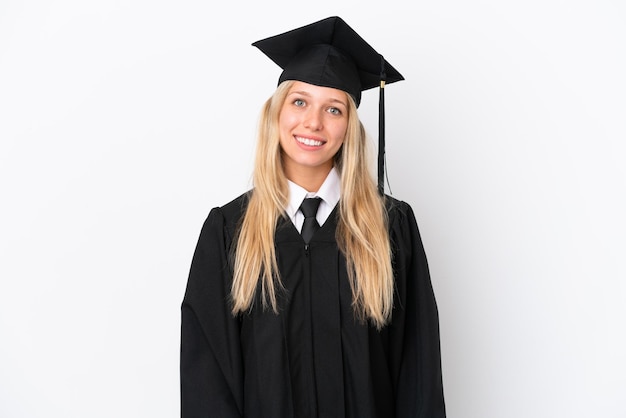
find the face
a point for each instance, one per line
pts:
(312, 123)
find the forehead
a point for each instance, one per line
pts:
(318, 92)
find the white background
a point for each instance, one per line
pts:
(123, 122)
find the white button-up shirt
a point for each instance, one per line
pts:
(329, 192)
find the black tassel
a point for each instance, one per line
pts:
(381, 128)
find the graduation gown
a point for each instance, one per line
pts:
(314, 358)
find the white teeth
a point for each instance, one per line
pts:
(309, 142)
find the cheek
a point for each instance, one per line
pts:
(340, 132)
(285, 127)
(286, 120)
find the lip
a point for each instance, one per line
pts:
(309, 143)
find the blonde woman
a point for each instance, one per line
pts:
(309, 296)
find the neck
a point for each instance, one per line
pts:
(310, 179)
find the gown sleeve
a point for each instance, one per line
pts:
(210, 358)
(419, 389)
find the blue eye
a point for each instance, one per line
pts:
(299, 102)
(334, 111)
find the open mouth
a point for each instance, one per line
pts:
(309, 142)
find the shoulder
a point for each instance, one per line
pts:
(403, 229)
(398, 211)
(234, 210)
(226, 218)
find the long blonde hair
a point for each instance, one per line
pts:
(362, 233)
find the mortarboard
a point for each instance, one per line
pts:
(329, 53)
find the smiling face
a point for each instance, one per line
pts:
(312, 125)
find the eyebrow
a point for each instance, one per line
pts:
(307, 94)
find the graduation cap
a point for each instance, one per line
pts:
(329, 53)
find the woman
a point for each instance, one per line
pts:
(309, 296)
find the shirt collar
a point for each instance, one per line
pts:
(329, 192)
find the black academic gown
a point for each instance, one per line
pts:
(314, 358)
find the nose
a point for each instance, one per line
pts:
(313, 120)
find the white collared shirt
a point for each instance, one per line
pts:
(329, 192)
